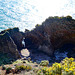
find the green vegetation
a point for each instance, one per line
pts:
(9, 30)
(20, 61)
(37, 25)
(28, 67)
(23, 67)
(69, 17)
(63, 18)
(17, 61)
(18, 68)
(66, 67)
(8, 70)
(39, 72)
(3, 67)
(44, 63)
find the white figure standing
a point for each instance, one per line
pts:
(23, 42)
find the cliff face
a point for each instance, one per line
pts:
(16, 35)
(11, 42)
(7, 45)
(61, 31)
(52, 34)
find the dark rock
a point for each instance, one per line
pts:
(24, 61)
(36, 65)
(17, 36)
(29, 59)
(3, 67)
(7, 45)
(24, 58)
(48, 37)
(26, 30)
(51, 35)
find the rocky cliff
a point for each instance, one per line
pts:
(16, 35)
(11, 42)
(52, 34)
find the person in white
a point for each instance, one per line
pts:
(23, 42)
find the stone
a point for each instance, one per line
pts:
(46, 50)
(24, 58)
(51, 35)
(24, 61)
(7, 45)
(16, 35)
(29, 59)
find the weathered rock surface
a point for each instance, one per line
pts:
(52, 34)
(16, 35)
(37, 40)
(7, 45)
(61, 31)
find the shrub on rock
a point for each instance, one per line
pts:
(8, 70)
(44, 63)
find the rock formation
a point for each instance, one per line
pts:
(7, 45)
(52, 34)
(16, 35)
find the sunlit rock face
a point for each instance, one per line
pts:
(52, 34)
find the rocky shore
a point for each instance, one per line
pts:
(55, 33)
(27, 52)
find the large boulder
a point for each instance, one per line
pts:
(8, 46)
